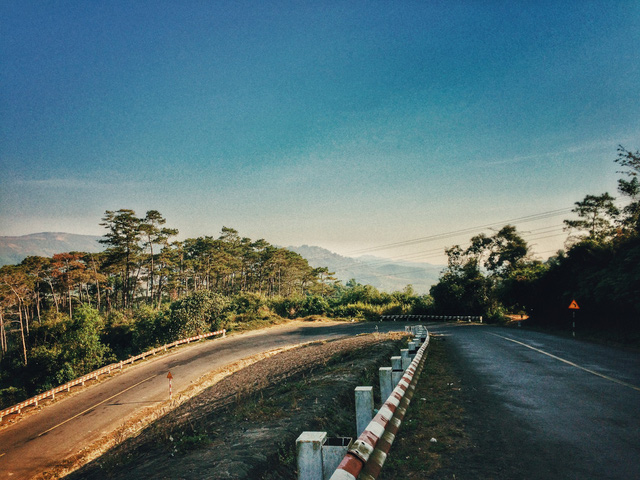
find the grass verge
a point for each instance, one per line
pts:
(433, 428)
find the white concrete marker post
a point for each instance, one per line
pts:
(386, 384)
(309, 450)
(397, 371)
(406, 361)
(364, 408)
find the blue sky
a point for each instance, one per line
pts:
(344, 124)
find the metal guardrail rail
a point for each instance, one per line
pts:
(368, 453)
(469, 318)
(104, 370)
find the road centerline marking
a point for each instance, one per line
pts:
(97, 405)
(606, 377)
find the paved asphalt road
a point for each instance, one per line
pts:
(578, 402)
(39, 442)
(567, 409)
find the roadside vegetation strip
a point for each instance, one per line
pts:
(368, 453)
(102, 371)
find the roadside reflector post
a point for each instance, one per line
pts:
(364, 408)
(386, 384)
(170, 377)
(309, 452)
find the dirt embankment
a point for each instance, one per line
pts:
(245, 426)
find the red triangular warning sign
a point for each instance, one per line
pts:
(169, 376)
(574, 306)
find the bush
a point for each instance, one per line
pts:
(198, 313)
(11, 395)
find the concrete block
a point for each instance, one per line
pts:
(309, 451)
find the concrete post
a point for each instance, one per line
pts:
(396, 363)
(309, 450)
(397, 371)
(386, 384)
(406, 361)
(364, 408)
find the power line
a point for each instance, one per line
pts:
(445, 235)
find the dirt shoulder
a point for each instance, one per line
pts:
(245, 425)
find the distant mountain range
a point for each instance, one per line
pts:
(15, 249)
(385, 275)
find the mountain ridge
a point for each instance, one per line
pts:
(14, 249)
(384, 274)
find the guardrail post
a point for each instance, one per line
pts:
(309, 450)
(406, 361)
(397, 371)
(364, 408)
(386, 385)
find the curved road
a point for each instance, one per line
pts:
(41, 441)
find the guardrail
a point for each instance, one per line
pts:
(368, 453)
(104, 370)
(469, 318)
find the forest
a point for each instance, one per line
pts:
(64, 316)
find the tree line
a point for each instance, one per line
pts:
(599, 267)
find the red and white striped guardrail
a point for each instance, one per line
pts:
(104, 370)
(468, 318)
(368, 453)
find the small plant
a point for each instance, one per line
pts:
(192, 442)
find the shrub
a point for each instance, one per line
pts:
(198, 313)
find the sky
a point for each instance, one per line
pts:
(365, 127)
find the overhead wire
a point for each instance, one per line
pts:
(444, 235)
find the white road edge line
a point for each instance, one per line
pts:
(97, 404)
(606, 377)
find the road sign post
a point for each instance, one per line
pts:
(170, 377)
(573, 307)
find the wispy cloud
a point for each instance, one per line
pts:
(597, 146)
